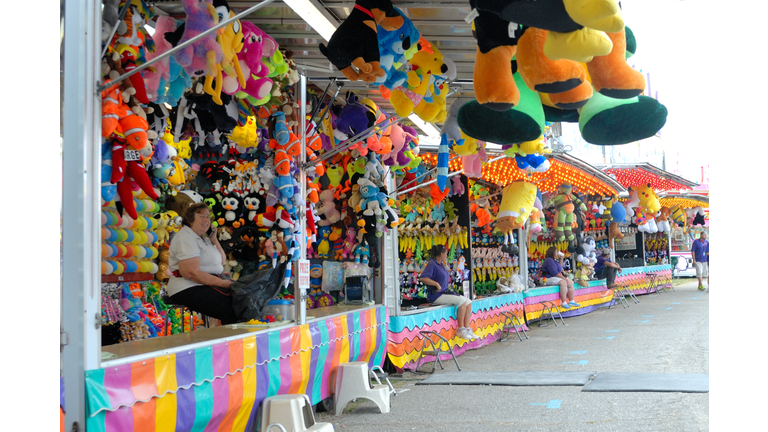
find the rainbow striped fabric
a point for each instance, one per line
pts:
(404, 343)
(219, 387)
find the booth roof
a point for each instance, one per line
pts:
(643, 173)
(686, 201)
(585, 178)
(440, 22)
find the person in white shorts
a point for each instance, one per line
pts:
(700, 254)
(435, 276)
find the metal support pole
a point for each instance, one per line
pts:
(328, 107)
(350, 141)
(522, 258)
(81, 213)
(300, 294)
(423, 175)
(202, 35)
(328, 87)
(427, 183)
(114, 30)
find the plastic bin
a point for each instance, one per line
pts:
(282, 310)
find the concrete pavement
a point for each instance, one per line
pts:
(668, 333)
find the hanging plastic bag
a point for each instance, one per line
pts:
(252, 292)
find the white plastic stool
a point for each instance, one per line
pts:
(352, 382)
(293, 412)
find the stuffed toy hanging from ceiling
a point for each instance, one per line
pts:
(355, 42)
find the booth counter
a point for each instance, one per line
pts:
(591, 297)
(219, 384)
(404, 342)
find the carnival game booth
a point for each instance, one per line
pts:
(654, 233)
(279, 172)
(694, 219)
(498, 275)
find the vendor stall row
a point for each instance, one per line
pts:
(405, 340)
(329, 196)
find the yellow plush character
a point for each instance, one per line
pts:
(231, 40)
(516, 203)
(427, 61)
(645, 198)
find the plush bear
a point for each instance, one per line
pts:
(355, 43)
(427, 64)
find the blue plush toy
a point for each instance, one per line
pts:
(373, 200)
(536, 162)
(394, 47)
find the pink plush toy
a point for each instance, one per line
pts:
(201, 57)
(399, 138)
(255, 72)
(473, 164)
(350, 243)
(160, 70)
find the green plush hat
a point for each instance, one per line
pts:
(524, 122)
(608, 121)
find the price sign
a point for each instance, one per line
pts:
(132, 155)
(304, 274)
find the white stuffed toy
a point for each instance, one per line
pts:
(585, 253)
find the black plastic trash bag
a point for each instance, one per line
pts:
(252, 292)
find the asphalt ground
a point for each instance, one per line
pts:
(666, 333)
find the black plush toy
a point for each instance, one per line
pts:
(355, 42)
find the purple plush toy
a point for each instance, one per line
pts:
(352, 118)
(201, 57)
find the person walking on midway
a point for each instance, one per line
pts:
(700, 254)
(436, 278)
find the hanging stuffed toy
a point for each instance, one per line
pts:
(565, 204)
(518, 199)
(203, 56)
(396, 48)
(355, 43)
(127, 170)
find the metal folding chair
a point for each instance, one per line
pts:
(624, 287)
(650, 280)
(548, 310)
(376, 372)
(618, 293)
(512, 322)
(435, 350)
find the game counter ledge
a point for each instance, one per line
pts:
(140, 350)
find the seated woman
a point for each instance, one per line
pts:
(436, 278)
(553, 271)
(607, 269)
(196, 260)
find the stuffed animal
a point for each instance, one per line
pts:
(323, 246)
(585, 252)
(127, 170)
(257, 83)
(355, 43)
(518, 199)
(565, 203)
(415, 95)
(644, 197)
(202, 57)
(396, 48)
(230, 39)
